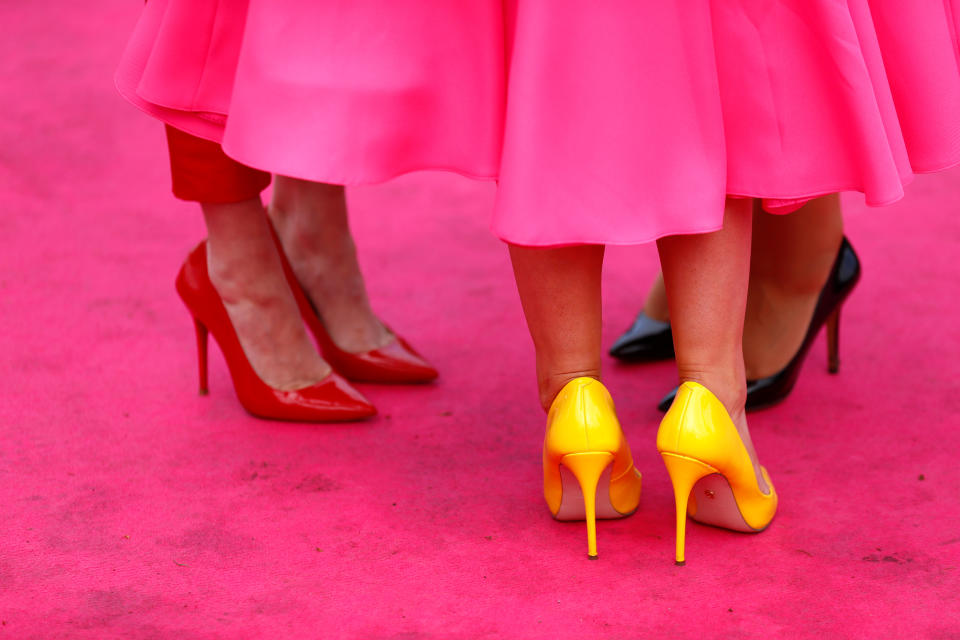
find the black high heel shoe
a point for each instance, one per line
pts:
(645, 341)
(766, 392)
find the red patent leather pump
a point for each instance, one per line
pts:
(332, 399)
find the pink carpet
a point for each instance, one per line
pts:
(132, 508)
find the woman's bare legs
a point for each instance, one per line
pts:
(791, 260)
(706, 278)
(560, 293)
(245, 270)
(311, 221)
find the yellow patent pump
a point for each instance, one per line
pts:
(712, 474)
(588, 471)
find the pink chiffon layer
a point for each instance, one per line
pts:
(612, 122)
(337, 91)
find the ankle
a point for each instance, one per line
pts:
(551, 384)
(776, 320)
(245, 275)
(305, 235)
(656, 311)
(728, 385)
(308, 211)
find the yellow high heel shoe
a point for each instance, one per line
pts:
(709, 465)
(588, 471)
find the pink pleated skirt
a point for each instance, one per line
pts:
(612, 122)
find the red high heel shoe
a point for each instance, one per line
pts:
(396, 362)
(330, 400)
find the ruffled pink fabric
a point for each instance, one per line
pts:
(347, 91)
(629, 121)
(918, 62)
(612, 122)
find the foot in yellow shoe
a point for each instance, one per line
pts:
(588, 471)
(712, 475)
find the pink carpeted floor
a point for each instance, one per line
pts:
(132, 508)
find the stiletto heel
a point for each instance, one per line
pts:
(329, 400)
(833, 341)
(396, 362)
(706, 459)
(202, 355)
(684, 473)
(587, 469)
(844, 276)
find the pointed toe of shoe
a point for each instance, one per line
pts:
(332, 399)
(394, 363)
(338, 399)
(405, 363)
(646, 341)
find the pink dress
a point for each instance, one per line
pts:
(612, 122)
(628, 121)
(346, 91)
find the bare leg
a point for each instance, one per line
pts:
(706, 278)
(560, 293)
(311, 221)
(792, 257)
(245, 270)
(655, 306)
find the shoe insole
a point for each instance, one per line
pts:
(571, 501)
(712, 502)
